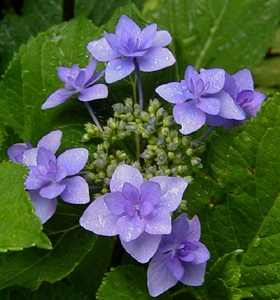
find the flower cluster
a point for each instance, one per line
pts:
(212, 97)
(47, 174)
(141, 190)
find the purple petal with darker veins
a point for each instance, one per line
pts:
(115, 202)
(101, 50)
(125, 23)
(15, 152)
(160, 279)
(130, 228)
(57, 98)
(79, 82)
(94, 78)
(147, 37)
(244, 80)
(74, 71)
(63, 73)
(201, 254)
(131, 193)
(191, 75)
(51, 141)
(44, 208)
(118, 69)
(44, 156)
(158, 221)
(89, 70)
(146, 208)
(156, 59)
(99, 219)
(142, 248)
(255, 105)
(162, 38)
(229, 109)
(209, 105)
(180, 228)
(150, 191)
(52, 190)
(95, 92)
(29, 157)
(113, 41)
(172, 190)
(72, 161)
(125, 173)
(188, 116)
(76, 190)
(175, 266)
(194, 229)
(216, 79)
(194, 274)
(172, 92)
(32, 182)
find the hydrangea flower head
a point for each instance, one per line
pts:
(136, 210)
(78, 81)
(131, 43)
(180, 257)
(238, 100)
(194, 97)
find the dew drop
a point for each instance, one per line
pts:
(118, 67)
(257, 242)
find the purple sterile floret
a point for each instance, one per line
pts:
(180, 257)
(194, 97)
(47, 174)
(78, 81)
(136, 210)
(130, 43)
(238, 100)
(51, 141)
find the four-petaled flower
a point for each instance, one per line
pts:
(137, 211)
(180, 257)
(78, 81)
(194, 97)
(238, 98)
(130, 45)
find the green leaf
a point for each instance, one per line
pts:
(71, 243)
(16, 29)
(19, 227)
(127, 283)
(238, 200)
(59, 291)
(88, 276)
(224, 33)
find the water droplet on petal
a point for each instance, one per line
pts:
(118, 67)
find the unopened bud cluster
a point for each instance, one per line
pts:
(148, 140)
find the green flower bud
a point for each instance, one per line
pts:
(167, 121)
(118, 107)
(144, 116)
(86, 137)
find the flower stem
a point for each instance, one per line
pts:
(137, 70)
(93, 116)
(205, 133)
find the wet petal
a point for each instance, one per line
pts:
(51, 141)
(99, 219)
(58, 97)
(244, 80)
(115, 202)
(118, 69)
(194, 274)
(143, 248)
(156, 59)
(15, 152)
(158, 221)
(188, 116)
(76, 190)
(44, 208)
(125, 23)
(162, 38)
(53, 190)
(130, 228)
(72, 161)
(215, 77)
(150, 191)
(160, 279)
(209, 105)
(147, 36)
(101, 50)
(172, 190)
(98, 91)
(131, 193)
(172, 92)
(125, 173)
(63, 73)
